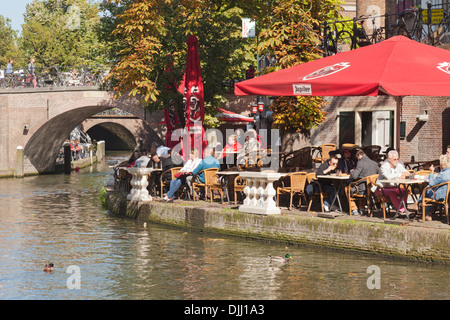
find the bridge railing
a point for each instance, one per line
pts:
(57, 76)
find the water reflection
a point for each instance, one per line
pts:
(58, 218)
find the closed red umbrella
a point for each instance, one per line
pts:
(193, 99)
(229, 116)
(397, 66)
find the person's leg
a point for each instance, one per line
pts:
(327, 201)
(175, 184)
(394, 196)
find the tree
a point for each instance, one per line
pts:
(151, 30)
(62, 32)
(8, 42)
(291, 35)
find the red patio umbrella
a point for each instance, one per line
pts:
(229, 116)
(193, 99)
(397, 66)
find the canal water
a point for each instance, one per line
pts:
(59, 219)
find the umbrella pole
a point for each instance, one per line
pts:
(399, 101)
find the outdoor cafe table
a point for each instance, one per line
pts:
(338, 181)
(407, 184)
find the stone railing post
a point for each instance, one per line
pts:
(139, 184)
(259, 193)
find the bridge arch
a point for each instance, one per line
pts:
(64, 111)
(118, 134)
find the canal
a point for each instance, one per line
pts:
(59, 219)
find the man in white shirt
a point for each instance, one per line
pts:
(392, 169)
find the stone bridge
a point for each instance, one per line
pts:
(41, 119)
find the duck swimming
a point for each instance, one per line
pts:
(286, 258)
(48, 267)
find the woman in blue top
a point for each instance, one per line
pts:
(433, 180)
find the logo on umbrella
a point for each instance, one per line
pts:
(444, 66)
(326, 71)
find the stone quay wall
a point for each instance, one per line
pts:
(414, 243)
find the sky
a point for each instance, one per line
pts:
(14, 10)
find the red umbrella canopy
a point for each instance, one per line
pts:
(397, 66)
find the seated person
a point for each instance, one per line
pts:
(142, 161)
(160, 150)
(364, 168)
(249, 152)
(347, 162)
(393, 169)
(187, 169)
(327, 168)
(134, 156)
(232, 148)
(208, 162)
(435, 179)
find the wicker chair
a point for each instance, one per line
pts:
(173, 172)
(317, 191)
(239, 185)
(324, 153)
(197, 185)
(427, 202)
(215, 184)
(296, 185)
(369, 181)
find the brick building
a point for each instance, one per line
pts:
(371, 120)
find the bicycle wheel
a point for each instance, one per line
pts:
(344, 41)
(400, 31)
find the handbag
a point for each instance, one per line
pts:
(179, 175)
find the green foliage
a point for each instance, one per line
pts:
(8, 46)
(162, 28)
(291, 35)
(62, 32)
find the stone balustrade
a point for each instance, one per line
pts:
(259, 193)
(139, 184)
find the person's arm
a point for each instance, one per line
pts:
(355, 173)
(324, 169)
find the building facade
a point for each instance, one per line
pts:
(424, 127)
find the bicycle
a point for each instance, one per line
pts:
(417, 30)
(331, 44)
